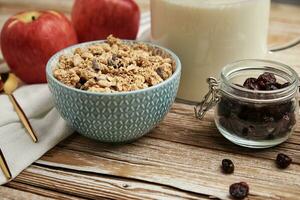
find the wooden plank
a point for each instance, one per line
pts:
(186, 167)
(95, 186)
(12, 194)
(39, 191)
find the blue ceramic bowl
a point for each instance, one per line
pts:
(116, 117)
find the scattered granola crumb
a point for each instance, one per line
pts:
(114, 66)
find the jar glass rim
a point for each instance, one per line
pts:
(249, 64)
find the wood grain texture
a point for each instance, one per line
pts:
(12, 194)
(50, 193)
(186, 156)
(179, 159)
(92, 185)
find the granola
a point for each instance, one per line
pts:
(114, 66)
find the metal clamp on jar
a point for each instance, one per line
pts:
(248, 116)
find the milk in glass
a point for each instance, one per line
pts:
(208, 34)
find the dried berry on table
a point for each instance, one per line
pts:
(227, 166)
(239, 190)
(283, 161)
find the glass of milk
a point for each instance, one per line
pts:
(208, 34)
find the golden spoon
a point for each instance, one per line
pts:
(4, 166)
(8, 87)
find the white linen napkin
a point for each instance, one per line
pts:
(36, 101)
(15, 143)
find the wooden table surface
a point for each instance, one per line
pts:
(180, 159)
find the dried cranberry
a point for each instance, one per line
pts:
(270, 136)
(4, 76)
(276, 86)
(245, 112)
(225, 107)
(283, 161)
(114, 57)
(159, 72)
(95, 66)
(272, 87)
(248, 131)
(239, 190)
(245, 131)
(283, 124)
(267, 78)
(266, 81)
(281, 109)
(268, 119)
(119, 64)
(82, 80)
(292, 120)
(112, 63)
(139, 62)
(285, 85)
(286, 119)
(227, 166)
(251, 84)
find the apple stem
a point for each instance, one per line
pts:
(33, 18)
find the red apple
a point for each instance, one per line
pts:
(96, 19)
(29, 39)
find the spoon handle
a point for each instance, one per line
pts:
(23, 117)
(4, 166)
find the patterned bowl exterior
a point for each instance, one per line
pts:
(117, 117)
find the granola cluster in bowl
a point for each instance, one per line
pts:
(113, 66)
(113, 90)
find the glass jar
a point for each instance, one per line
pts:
(253, 118)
